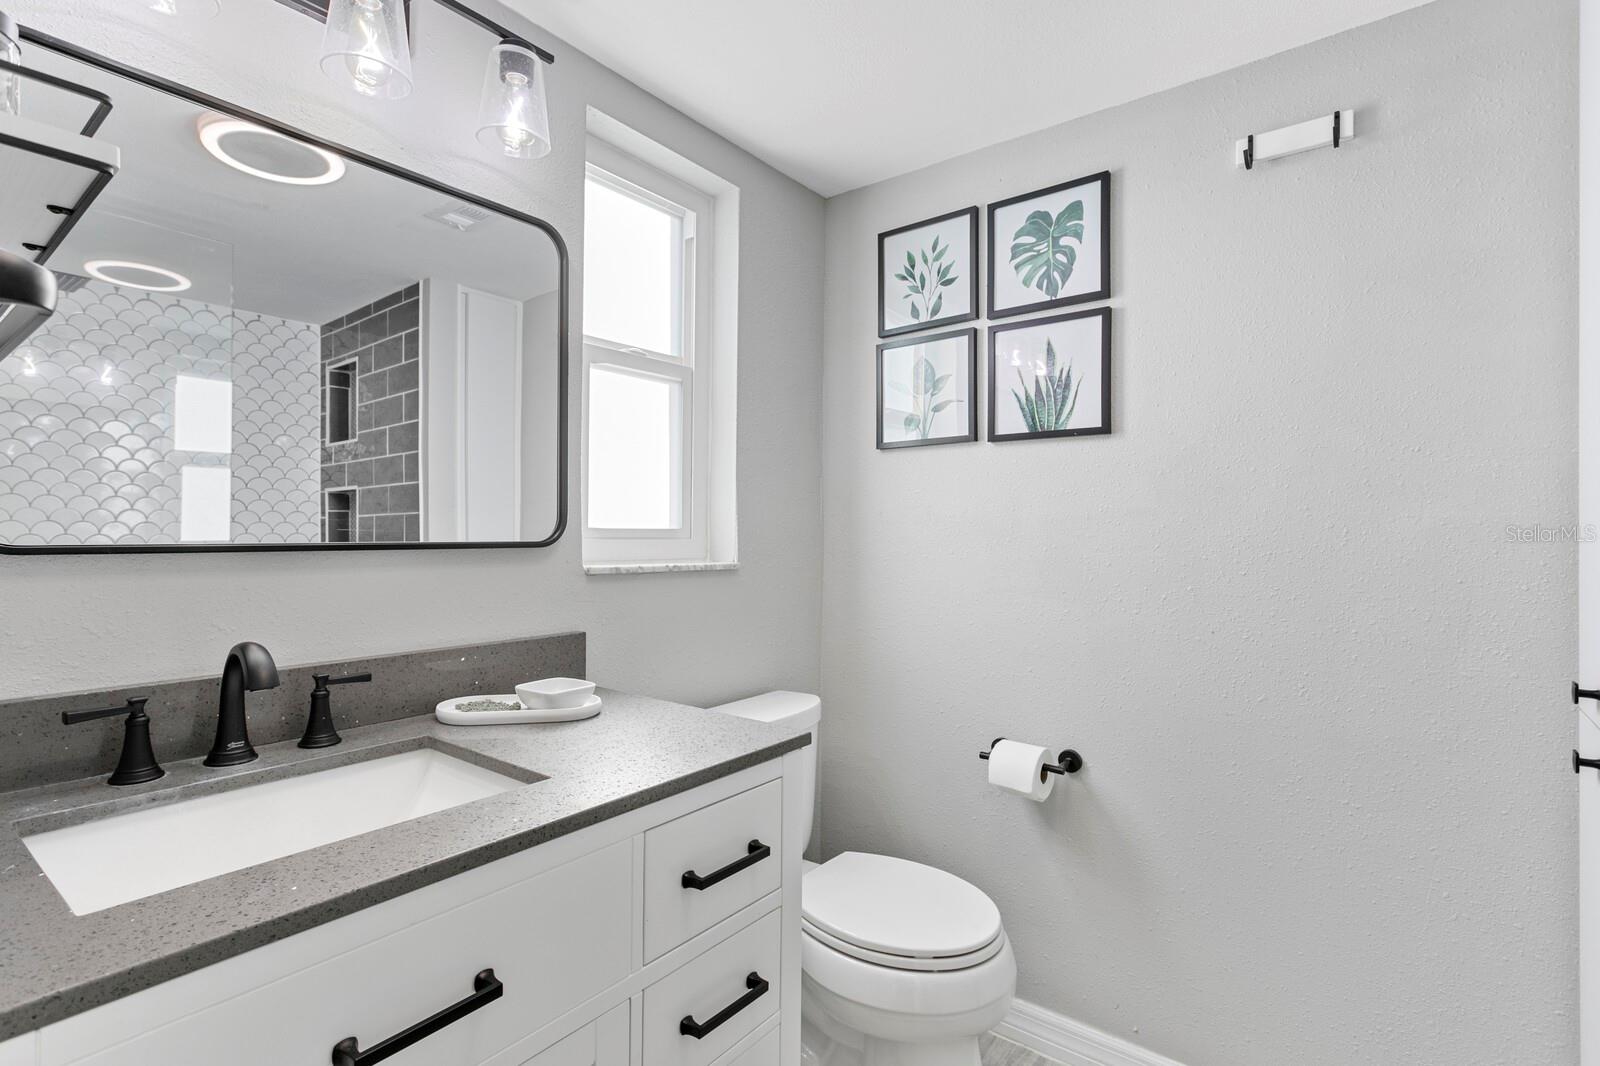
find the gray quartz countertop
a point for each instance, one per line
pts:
(54, 964)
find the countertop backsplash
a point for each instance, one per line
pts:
(37, 749)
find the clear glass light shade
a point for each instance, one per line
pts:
(512, 117)
(10, 83)
(366, 47)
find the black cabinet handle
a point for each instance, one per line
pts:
(486, 988)
(755, 852)
(700, 1030)
(1579, 762)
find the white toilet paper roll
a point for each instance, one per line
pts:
(1019, 768)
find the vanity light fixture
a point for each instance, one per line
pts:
(269, 155)
(103, 270)
(511, 113)
(367, 46)
(10, 80)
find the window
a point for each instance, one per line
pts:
(205, 506)
(202, 415)
(202, 425)
(651, 369)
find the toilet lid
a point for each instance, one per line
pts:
(898, 908)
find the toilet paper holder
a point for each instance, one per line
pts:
(1068, 762)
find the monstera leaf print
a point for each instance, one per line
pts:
(1040, 251)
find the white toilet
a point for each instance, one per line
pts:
(904, 964)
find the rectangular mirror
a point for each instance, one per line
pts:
(264, 342)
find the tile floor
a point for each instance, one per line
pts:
(998, 1051)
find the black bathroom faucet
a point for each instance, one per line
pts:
(249, 668)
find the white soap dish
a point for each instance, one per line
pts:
(449, 712)
(554, 692)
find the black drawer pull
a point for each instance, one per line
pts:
(485, 990)
(700, 1030)
(756, 851)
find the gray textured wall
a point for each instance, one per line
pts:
(1325, 818)
(102, 622)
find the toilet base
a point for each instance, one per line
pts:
(826, 1039)
(819, 1048)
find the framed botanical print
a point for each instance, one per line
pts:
(928, 273)
(1050, 248)
(927, 390)
(1051, 377)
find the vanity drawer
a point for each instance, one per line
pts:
(603, 1042)
(735, 845)
(711, 987)
(552, 941)
(766, 1051)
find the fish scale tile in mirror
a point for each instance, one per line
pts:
(87, 449)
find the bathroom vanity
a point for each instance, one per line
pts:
(620, 892)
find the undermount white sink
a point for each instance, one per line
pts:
(99, 864)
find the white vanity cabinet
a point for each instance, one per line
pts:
(667, 935)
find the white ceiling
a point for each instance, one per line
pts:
(842, 93)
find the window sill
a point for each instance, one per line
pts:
(595, 569)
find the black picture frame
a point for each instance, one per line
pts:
(994, 384)
(1101, 292)
(971, 336)
(563, 326)
(974, 266)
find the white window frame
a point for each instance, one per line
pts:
(692, 370)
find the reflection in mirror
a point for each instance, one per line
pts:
(258, 342)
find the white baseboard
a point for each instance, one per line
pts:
(1072, 1043)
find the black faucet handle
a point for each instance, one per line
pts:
(320, 730)
(137, 763)
(134, 707)
(324, 680)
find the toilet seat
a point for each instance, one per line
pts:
(899, 914)
(932, 964)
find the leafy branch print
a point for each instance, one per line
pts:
(1040, 253)
(1049, 404)
(925, 283)
(926, 385)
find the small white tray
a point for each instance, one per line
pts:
(446, 712)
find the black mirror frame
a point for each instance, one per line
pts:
(194, 96)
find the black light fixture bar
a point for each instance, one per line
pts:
(101, 102)
(318, 9)
(494, 27)
(69, 214)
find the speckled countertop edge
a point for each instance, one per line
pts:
(54, 964)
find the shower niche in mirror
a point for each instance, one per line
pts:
(263, 343)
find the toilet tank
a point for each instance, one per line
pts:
(800, 712)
